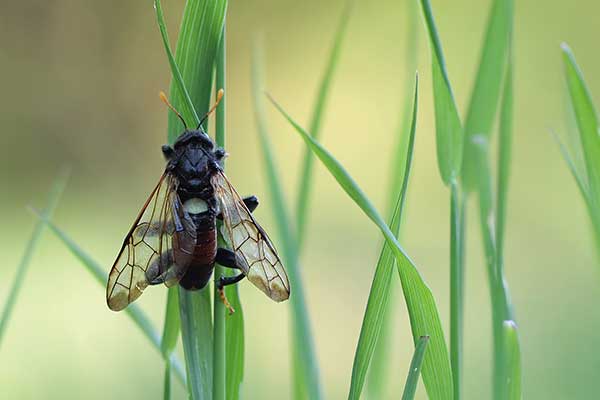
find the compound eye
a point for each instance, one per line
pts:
(220, 153)
(167, 151)
(206, 142)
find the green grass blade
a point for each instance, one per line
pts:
(167, 381)
(415, 369)
(504, 156)
(188, 111)
(133, 311)
(55, 194)
(302, 203)
(171, 327)
(170, 336)
(456, 287)
(586, 116)
(234, 344)
(580, 179)
(219, 344)
(199, 36)
(449, 134)
(378, 375)
(306, 375)
(400, 154)
(512, 361)
(380, 287)
(196, 335)
(197, 44)
(587, 124)
(423, 312)
(487, 89)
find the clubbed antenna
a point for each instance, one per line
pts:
(220, 94)
(164, 99)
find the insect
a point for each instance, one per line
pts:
(173, 240)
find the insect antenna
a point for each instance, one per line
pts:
(219, 97)
(164, 99)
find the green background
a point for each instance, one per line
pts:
(80, 83)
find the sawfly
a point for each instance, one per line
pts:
(173, 240)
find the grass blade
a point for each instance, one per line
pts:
(579, 177)
(167, 381)
(171, 327)
(487, 89)
(449, 134)
(219, 344)
(133, 311)
(378, 373)
(302, 203)
(234, 344)
(201, 28)
(380, 287)
(55, 194)
(423, 312)
(199, 35)
(449, 139)
(196, 335)
(512, 361)
(456, 287)
(586, 117)
(587, 124)
(170, 336)
(415, 369)
(188, 109)
(306, 375)
(504, 156)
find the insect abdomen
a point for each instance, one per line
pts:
(206, 248)
(204, 253)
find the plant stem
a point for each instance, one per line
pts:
(456, 287)
(196, 330)
(57, 188)
(219, 346)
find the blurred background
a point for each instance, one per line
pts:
(80, 83)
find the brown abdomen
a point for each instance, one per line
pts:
(205, 250)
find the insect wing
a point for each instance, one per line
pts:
(147, 251)
(254, 253)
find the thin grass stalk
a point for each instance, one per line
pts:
(219, 344)
(585, 144)
(378, 375)
(53, 199)
(169, 337)
(305, 378)
(410, 388)
(379, 295)
(456, 288)
(139, 318)
(423, 312)
(199, 36)
(501, 309)
(167, 382)
(450, 141)
(511, 362)
(305, 185)
(229, 338)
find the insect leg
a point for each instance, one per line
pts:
(229, 280)
(251, 202)
(158, 270)
(226, 258)
(224, 281)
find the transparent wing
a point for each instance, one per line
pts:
(147, 253)
(254, 253)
